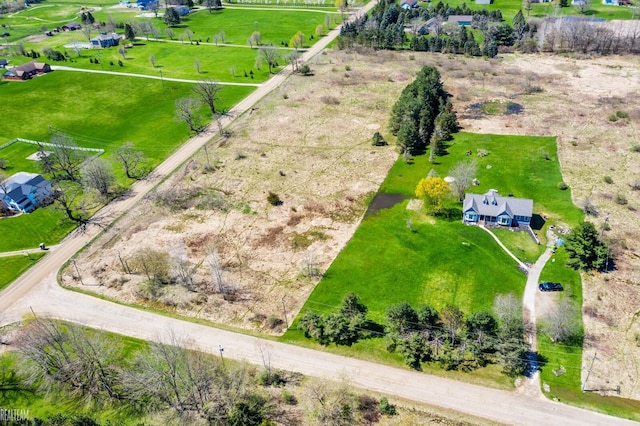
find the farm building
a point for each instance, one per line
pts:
(461, 20)
(493, 209)
(27, 71)
(24, 192)
(105, 40)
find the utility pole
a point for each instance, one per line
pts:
(77, 270)
(161, 79)
(284, 311)
(593, 359)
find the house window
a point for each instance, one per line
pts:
(504, 220)
(471, 217)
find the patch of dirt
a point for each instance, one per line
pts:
(316, 155)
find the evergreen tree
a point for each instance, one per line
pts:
(171, 16)
(129, 33)
(585, 249)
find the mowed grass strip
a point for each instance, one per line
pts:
(13, 266)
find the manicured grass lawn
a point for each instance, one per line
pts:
(520, 244)
(16, 158)
(28, 230)
(275, 26)
(177, 60)
(102, 111)
(12, 267)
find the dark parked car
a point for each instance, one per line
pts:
(5, 35)
(550, 286)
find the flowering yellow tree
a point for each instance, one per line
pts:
(433, 190)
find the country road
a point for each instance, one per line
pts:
(38, 290)
(49, 299)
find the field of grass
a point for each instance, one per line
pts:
(16, 155)
(13, 266)
(46, 225)
(102, 111)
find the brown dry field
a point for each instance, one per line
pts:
(309, 142)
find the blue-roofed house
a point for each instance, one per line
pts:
(24, 192)
(493, 209)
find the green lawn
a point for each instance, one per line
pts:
(102, 111)
(521, 244)
(12, 267)
(16, 155)
(46, 225)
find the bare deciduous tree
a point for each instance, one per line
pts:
(131, 160)
(268, 54)
(64, 157)
(463, 173)
(562, 324)
(208, 91)
(183, 268)
(188, 110)
(216, 270)
(329, 403)
(254, 39)
(98, 175)
(508, 310)
(73, 357)
(197, 65)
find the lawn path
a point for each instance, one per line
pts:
(520, 263)
(153, 77)
(27, 251)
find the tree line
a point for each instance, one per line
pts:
(168, 382)
(423, 334)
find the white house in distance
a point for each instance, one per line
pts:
(493, 209)
(24, 192)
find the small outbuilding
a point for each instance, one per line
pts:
(71, 26)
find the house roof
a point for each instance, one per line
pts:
(492, 204)
(21, 184)
(409, 2)
(73, 25)
(104, 36)
(460, 18)
(30, 67)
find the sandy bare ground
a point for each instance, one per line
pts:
(309, 142)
